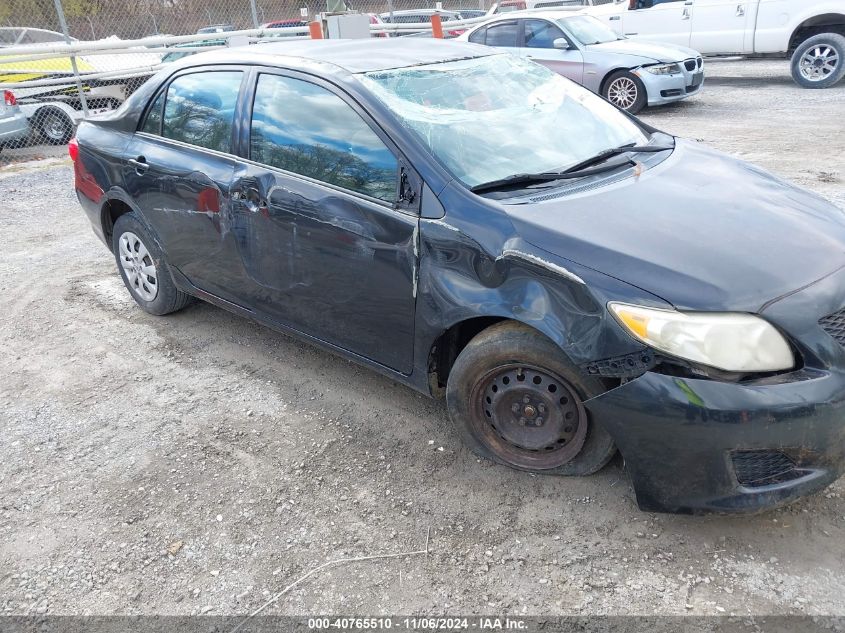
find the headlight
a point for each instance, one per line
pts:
(663, 69)
(726, 341)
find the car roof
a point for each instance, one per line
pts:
(420, 12)
(352, 56)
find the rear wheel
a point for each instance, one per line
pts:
(819, 61)
(143, 268)
(54, 126)
(625, 90)
(515, 399)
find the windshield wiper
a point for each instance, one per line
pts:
(548, 176)
(579, 170)
(614, 151)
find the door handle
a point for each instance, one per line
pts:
(250, 198)
(685, 14)
(614, 18)
(140, 164)
(740, 10)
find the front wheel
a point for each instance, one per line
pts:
(819, 62)
(515, 399)
(625, 90)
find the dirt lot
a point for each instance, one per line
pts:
(198, 463)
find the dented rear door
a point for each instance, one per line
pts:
(178, 169)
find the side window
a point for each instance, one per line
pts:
(647, 4)
(504, 34)
(541, 34)
(200, 109)
(478, 36)
(303, 128)
(152, 124)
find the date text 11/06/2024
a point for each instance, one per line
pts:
(419, 623)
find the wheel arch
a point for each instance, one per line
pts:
(114, 205)
(451, 341)
(610, 73)
(823, 23)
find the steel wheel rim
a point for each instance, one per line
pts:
(623, 92)
(819, 62)
(138, 266)
(528, 416)
(54, 127)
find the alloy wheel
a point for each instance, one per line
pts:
(623, 92)
(138, 266)
(819, 62)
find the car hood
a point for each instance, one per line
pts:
(701, 230)
(648, 50)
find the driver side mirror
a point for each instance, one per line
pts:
(560, 43)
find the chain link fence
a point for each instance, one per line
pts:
(63, 60)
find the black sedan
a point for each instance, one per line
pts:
(474, 225)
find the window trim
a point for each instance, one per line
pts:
(551, 23)
(520, 32)
(402, 162)
(195, 70)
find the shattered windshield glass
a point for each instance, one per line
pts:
(490, 117)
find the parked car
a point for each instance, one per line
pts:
(506, 6)
(288, 24)
(416, 16)
(216, 28)
(629, 73)
(811, 32)
(375, 20)
(14, 127)
(179, 51)
(469, 14)
(471, 223)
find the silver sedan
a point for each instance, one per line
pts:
(629, 73)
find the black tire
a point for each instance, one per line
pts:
(486, 394)
(819, 61)
(625, 90)
(54, 126)
(156, 293)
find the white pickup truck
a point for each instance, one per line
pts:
(812, 32)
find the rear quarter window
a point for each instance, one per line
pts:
(200, 109)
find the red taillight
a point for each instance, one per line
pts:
(73, 149)
(9, 98)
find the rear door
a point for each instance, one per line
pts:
(719, 26)
(539, 38)
(327, 246)
(667, 21)
(505, 34)
(178, 169)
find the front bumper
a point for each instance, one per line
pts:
(662, 89)
(680, 436)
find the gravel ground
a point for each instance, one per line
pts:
(198, 463)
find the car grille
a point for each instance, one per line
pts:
(834, 325)
(692, 64)
(763, 468)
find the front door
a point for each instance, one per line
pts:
(668, 21)
(326, 247)
(178, 169)
(719, 26)
(540, 36)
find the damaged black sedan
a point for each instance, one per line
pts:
(474, 225)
